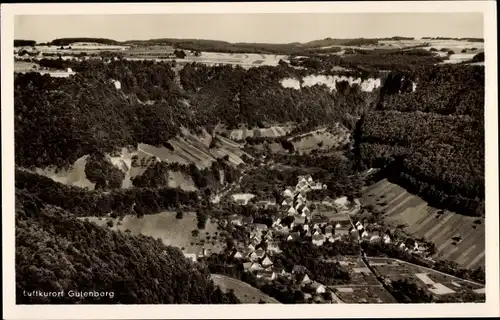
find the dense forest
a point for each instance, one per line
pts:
(24, 43)
(431, 141)
(57, 252)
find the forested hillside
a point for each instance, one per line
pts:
(432, 139)
(55, 251)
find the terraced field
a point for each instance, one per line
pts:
(191, 149)
(422, 220)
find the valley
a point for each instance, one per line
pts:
(331, 171)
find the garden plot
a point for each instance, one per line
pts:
(170, 230)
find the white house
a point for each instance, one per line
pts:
(360, 227)
(365, 235)
(386, 239)
(191, 256)
(305, 227)
(375, 238)
(117, 84)
(306, 210)
(266, 262)
(318, 239)
(338, 226)
(256, 267)
(238, 255)
(251, 247)
(318, 287)
(341, 202)
(306, 279)
(310, 179)
(257, 254)
(292, 211)
(288, 193)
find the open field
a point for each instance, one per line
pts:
(272, 132)
(243, 291)
(434, 282)
(422, 220)
(74, 177)
(322, 139)
(170, 230)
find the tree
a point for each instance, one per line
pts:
(179, 215)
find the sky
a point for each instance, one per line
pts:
(263, 28)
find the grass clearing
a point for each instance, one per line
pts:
(243, 291)
(170, 230)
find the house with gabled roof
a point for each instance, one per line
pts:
(292, 211)
(306, 210)
(306, 279)
(256, 267)
(257, 254)
(238, 255)
(365, 235)
(299, 220)
(272, 246)
(293, 236)
(268, 275)
(288, 193)
(266, 262)
(386, 239)
(247, 266)
(318, 287)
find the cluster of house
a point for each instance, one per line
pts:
(297, 222)
(377, 236)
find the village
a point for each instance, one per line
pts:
(300, 219)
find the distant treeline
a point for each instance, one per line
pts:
(458, 39)
(24, 43)
(68, 41)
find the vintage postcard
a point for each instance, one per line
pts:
(250, 160)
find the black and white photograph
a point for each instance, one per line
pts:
(187, 154)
